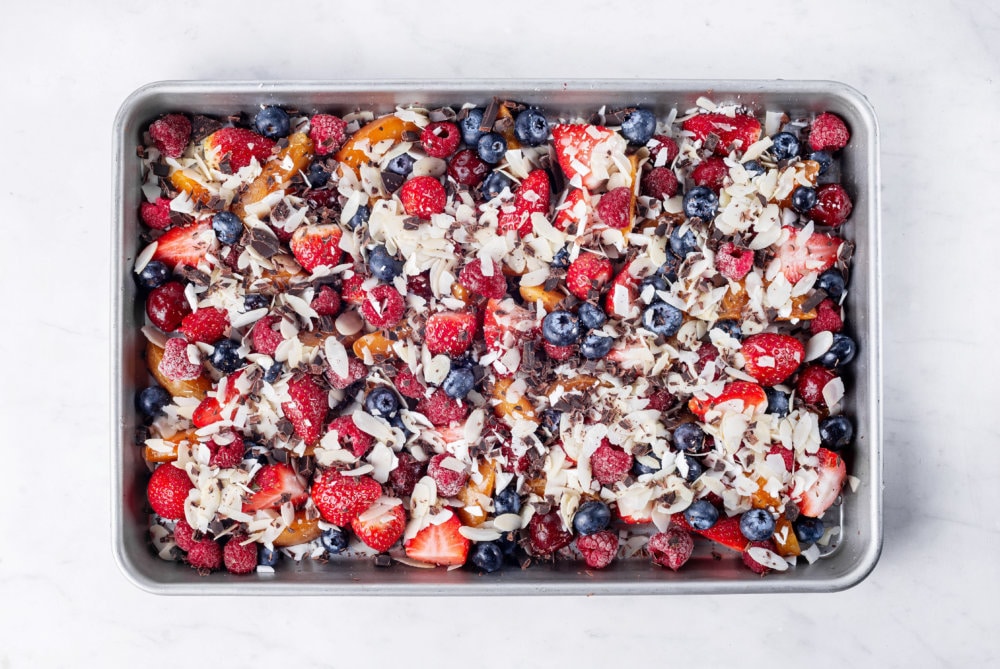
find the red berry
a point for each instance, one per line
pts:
(787, 455)
(273, 485)
(811, 382)
(450, 333)
(419, 285)
(707, 353)
(238, 557)
(818, 253)
(609, 464)
(228, 455)
(351, 290)
(408, 385)
(327, 133)
(171, 134)
(660, 183)
(532, 197)
(449, 482)
(442, 544)
(265, 337)
(738, 131)
(205, 555)
(185, 245)
(833, 205)
(408, 471)
(828, 318)
(349, 436)
(588, 273)
(667, 145)
(340, 499)
(467, 169)
(382, 531)
(828, 133)
(440, 139)
(711, 173)
(614, 208)
(671, 549)
(423, 197)
(383, 307)
(326, 302)
(493, 286)
(442, 410)
(168, 488)
(207, 325)
(167, 306)
(557, 352)
(207, 412)
(598, 549)
(183, 535)
(661, 400)
(156, 214)
(307, 409)
(240, 145)
(547, 534)
(175, 363)
(771, 358)
(732, 262)
(356, 371)
(315, 245)
(755, 566)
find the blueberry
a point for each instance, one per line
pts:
(228, 228)
(153, 275)
(785, 145)
(701, 515)
(381, 401)
(694, 469)
(639, 126)
(662, 319)
(754, 168)
(657, 282)
(688, 437)
(273, 372)
(591, 517)
(509, 546)
(226, 357)
(561, 328)
(531, 128)
(360, 217)
(487, 556)
(397, 422)
(683, 244)
(317, 176)
(272, 122)
(253, 301)
(777, 402)
(669, 269)
(832, 283)
(267, 557)
(150, 401)
(835, 432)
(469, 126)
(595, 346)
(550, 421)
(591, 316)
(824, 159)
(493, 185)
(459, 382)
(491, 148)
(561, 258)
(334, 540)
(639, 468)
(757, 524)
(383, 265)
(803, 199)
(507, 501)
(840, 353)
(730, 327)
(808, 530)
(700, 202)
(401, 164)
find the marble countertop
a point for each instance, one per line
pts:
(930, 70)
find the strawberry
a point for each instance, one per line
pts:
(170, 134)
(183, 535)
(817, 498)
(315, 245)
(672, 548)
(440, 544)
(265, 337)
(739, 130)
(623, 295)
(351, 290)
(442, 410)
(408, 471)
(185, 245)
(450, 333)
(660, 183)
(349, 436)
(449, 481)
(585, 152)
(382, 531)
(740, 393)
(711, 173)
(307, 409)
(557, 352)
(156, 214)
(828, 318)
(206, 325)
(589, 273)
(205, 555)
(326, 302)
(546, 534)
(175, 363)
(800, 255)
(340, 499)
(506, 325)
(609, 464)
(493, 287)
(166, 306)
(327, 133)
(598, 549)
(240, 145)
(726, 531)
(615, 208)
(207, 412)
(227, 456)
(707, 353)
(423, 197)
(828, 133)
(574, 211)
(811, 382)
(356, 370)
(273, 485)
(167, 489)
(239, 557)
(383, 307)
(833, 205)
(732, 262)
(771, 358)
(531, 197)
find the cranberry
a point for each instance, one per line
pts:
(166, 306)
(467, 169)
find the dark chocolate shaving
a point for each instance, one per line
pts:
(490, 116)
(264, 242)
(392, 181)
(814, 299)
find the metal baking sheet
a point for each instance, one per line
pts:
(860, 544)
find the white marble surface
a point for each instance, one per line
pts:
(929, 68)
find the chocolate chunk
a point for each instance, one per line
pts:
(264, 242)
(280, 212)
(617, 116)
(160, 170)
(719, 281)
(814, 299)
(392, 181)
(193, 275)
(410, 136)
(383, 560)
(490, 116)
(203, 126)
(442, 114)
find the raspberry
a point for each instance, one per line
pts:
(441, 410)
(708, 353)
(732, 262)
(493, 287)
(467, 168)
(711, 173)
(661, 400)
(356, 371)
(264, 338)
(589, 272)
(419, 285)
(827, 319)
(408, 385)
(326, 302)
(440, 139)
(238, 557)
(546, 533)
(811, 382)
(383, 307)
(423, 197)
(406, 474)
(175, 364)
(449, 482)
(755, 566)
(557, 352)
(205, 555)
(660, 183)
(519, 464)
(598, 549)
(205, 325)
(828, 133)
(663, 143)
(671, 549)
(228, 455)
(833, 205)
(327, 133)
(171, 134)
(610, 465)
(349, 437)
(156, 214)
(614, 208)
(183, 535)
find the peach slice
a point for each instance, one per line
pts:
(300, 531)
(186, 184)
(550, 298)
(473, 514)
(169, 456)
(278, 172)
(375, 343)
(517, 409)
(352, 153)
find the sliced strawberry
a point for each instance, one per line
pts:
(557, 352)
(450, 333)
(205, 325)
(585, 152)
(622, 300)
(818, 497)
(440, 544)
(531, 197)
(240, 145)
(739, 130)
(340, 499)
(207, 412)
(352, 292)
(273, 486)
(315, 245)
(574, 211)
(802, 254)
(771, 358)
(185, 245)
(507, 325)
(739, 393)
(308, 408)
(588, 273)
(167, 490)
(726, 531)
(349, 436)
(493, 287)
(382, 531)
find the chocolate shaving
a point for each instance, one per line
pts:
(202, 127)
(280, 212)
(264, 242)
(442, 114)
(411, 223)
(490, 116)
(618, 116)
(160, 170)
(392, 181)
(383, 560)
(719, 281)
(194, 275)
(410, 136)
(551, 283)
(814, 299)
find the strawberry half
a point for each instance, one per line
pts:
(450, 333)
(726, 531)
(573, 211)
(493, 287)
(585, 152)
(532, 197)
(308, 408)
(771, 358)
(205, 325)
(185, 245)
(168, 488)
(382, 531)
(589, 272)
(802, 254)
(340, 499)
(818, 497)
(274, 485)
(740, 130)
(623, 295)
(239, 144)
(750, 394)
(441, 544)
(506, 325)
(315, 245)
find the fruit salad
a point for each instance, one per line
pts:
(486, 336)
